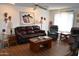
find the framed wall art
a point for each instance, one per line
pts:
(27, 17)
(77, 18)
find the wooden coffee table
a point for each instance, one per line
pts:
(38, 42)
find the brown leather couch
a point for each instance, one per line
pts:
(24, 33)
(75, 33)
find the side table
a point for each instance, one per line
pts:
(12, 40)
(3, 41)
(64, 36)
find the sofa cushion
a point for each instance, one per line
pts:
(29, 28)
(30, 36)
(23, 32)
(75, 30)
(18, 29)
(42, 31)
(30, 32)
(36, 27)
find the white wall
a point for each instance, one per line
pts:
(14, 11)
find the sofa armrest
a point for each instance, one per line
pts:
(20, 35)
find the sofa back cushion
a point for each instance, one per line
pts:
(17, 29)
(36, 27)
(23, 29)
(75, 30)
(27, 28)
(53, 28)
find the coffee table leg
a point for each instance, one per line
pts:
(34, 47)
(49, 44)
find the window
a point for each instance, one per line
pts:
(64, 20)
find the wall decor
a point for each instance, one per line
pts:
(5, 17)
(7, 25)
(27, 17)
(44, 18)
(77, 18)
(77, 15)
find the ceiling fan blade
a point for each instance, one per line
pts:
(40, 7)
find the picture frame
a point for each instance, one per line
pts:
(27, 18)
(77, 15)
(77, 18)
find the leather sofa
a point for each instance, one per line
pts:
(75, 32)
(73, 41)
(53, 32)
(24, 33)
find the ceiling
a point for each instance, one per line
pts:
(50, 6)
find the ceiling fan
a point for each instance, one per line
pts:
(37, 5)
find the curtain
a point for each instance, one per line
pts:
(64, 20)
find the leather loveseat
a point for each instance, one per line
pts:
(75, 32)
(25, 32)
